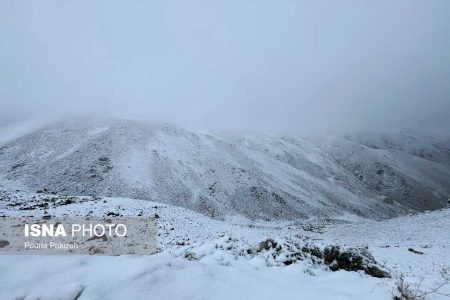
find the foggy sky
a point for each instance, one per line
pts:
(267, 65)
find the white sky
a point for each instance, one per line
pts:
(267, 65)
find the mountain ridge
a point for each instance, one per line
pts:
(258, 176)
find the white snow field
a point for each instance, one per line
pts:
(163, 276)
(203, 258)
(239, 216)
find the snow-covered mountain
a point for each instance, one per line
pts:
(411, 169)
(258, 176)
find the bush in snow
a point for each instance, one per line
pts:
(286, 252)
(353, 260)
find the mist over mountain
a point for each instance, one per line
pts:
(297, 66)
(254, 175)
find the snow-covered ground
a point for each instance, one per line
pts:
(164, 276)
(311, 192)
(390, 240)
(203, 258)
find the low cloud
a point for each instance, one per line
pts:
(285, 66)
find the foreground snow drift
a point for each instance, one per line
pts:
(164, 276)
(202, 258)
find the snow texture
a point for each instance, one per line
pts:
(256, 176)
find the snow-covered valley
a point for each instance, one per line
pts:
(238, 217)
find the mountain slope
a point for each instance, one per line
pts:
(405, 168)
(257, 176)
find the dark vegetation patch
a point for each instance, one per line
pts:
(415, 251)
(334, 257)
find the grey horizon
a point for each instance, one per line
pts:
(290, 66)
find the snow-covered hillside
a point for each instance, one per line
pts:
(203, 258)
(257, 176)
(411, 169)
